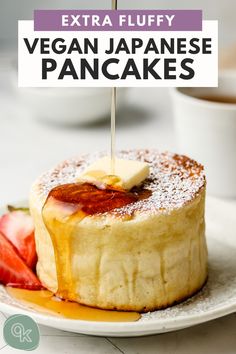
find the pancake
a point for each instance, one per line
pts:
(144, 255)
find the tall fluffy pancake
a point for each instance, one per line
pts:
(145, 255)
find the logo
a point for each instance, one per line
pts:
(21, 332)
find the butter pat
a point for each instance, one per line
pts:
(127, 173)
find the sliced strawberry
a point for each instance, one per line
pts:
(17, 227)
(13, 271)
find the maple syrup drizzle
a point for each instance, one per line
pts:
(113, 129)
(65, 207)
(113, 114)
(45, 301)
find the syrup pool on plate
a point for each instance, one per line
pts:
(45, 301)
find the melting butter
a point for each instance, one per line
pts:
(128, 173)
(98, 176)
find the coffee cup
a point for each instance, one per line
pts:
(205, 126)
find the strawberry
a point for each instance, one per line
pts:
(17, 226)
(13, 271)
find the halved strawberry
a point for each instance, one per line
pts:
(13, 271)
(17, 227)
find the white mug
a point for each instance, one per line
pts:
(206, 131)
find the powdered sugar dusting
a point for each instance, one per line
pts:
(174, 179)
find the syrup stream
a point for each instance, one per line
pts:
(113, 129)
(113, 114)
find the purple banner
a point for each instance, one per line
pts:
(118, 20)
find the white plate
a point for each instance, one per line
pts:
(218, 297)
